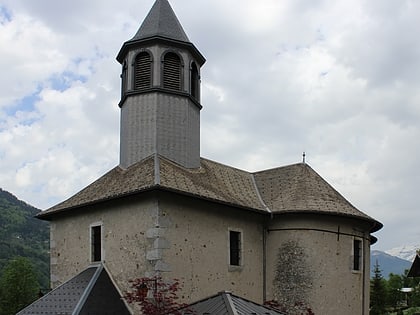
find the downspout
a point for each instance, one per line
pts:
(264, 240)
(265, 231)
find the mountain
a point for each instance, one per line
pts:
(388, 263)
(407, 252)
(23, 235)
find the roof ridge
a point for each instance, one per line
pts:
(87, 290)
(229, 303)
(259, 194)
(281, 167)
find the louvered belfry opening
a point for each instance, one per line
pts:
(194, 81)
(143, 71)
(172, 71)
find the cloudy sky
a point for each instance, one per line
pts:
(336, 79)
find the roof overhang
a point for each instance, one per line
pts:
(138, 43)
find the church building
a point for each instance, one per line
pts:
(281, 234)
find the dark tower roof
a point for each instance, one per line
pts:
(161, 24)
(161, 21)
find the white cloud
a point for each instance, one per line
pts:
(338, 80)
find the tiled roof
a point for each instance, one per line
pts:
(80, 295)
(293, 188)
(298, 187)
(225, 303)
(213, 181)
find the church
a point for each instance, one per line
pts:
(281, 234)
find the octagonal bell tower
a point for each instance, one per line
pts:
(160, 92)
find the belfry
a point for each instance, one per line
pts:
(160, 97)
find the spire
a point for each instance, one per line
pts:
(160, 92)
(161, 21)
(160, 24)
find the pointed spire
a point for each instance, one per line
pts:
(161, 21)
(160, 24)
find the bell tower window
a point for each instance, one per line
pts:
(172, 71)
(194, 81)
(142, 71)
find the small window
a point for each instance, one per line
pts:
(96, 243)
(172, 71)
(142, 71)
(357, 254)
(234, 248)
(194, 81)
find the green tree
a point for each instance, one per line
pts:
(415, 295)
(18, 286)
(377, 292)
(394, 285)
(414, 284)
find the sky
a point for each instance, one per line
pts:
(338, 80)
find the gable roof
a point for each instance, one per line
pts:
(161, 21)
(225, 303)
(290, 189)
(79, 296)
(415, 267)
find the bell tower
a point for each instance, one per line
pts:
(160, 92)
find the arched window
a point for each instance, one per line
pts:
(172, 71)
(142, 71)
(194, 81)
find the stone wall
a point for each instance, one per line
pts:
(310, 262)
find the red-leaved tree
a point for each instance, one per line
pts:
(155, 296)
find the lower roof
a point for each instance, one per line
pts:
(225, 303)
(415, 267)
(294, 188)
(89, 292)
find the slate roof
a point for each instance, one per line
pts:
(90, 292)
(225, 303)
(294, 188)
(161, 21)
(161, 24)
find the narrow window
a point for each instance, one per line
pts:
(234, 248)
(194, 81)
(172, 71)
(142, 71)
(96, 243)
(357, 254)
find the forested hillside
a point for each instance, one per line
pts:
(23, 235)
